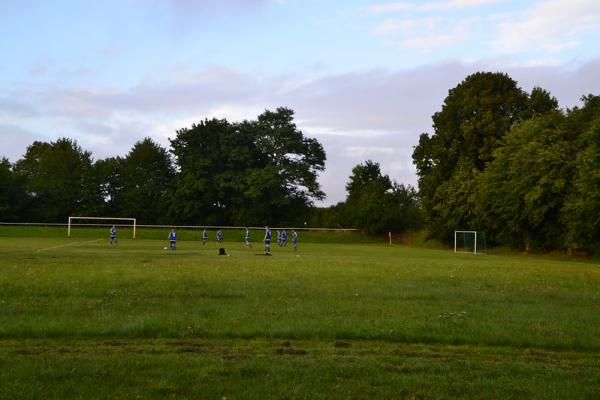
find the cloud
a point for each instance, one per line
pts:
(435, 37)
(403, 6)
(548, 26)
(10, 105)
(553, 26)
(364, 152)
(194, 6)
(407, 26)
(14, 141)
(425, 34)
(189, 12)
(176, 92)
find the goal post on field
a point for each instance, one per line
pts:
(99, 219)
(469, 242)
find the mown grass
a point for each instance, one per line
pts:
(258, 369)
(336, 320)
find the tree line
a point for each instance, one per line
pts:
(512, 164)
(216, 172)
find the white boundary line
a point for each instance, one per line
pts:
(68, 244)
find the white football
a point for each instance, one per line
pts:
(164, 248)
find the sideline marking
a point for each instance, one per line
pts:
(68, 244)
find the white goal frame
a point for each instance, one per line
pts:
(102, 219)
(474, 242)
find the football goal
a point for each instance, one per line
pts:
(469, 242)
(111, 219)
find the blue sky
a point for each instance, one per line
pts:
(364, 77)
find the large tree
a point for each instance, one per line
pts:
(523, 190)
(297, 159)
(108, 173)
(475, 117)
(145, 176)
(253, 172)
(581, 214)
(55, 177)
(376, 204)
(212, 157)
(12, 193)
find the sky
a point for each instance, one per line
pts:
(363, 77)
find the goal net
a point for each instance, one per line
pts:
(469, 242)
(105, 222)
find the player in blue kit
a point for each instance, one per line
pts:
(284, 236)
(113, 235)
(219, 236)
(267, 241)
(247, 238)
(204, 237)
(295, 240)
(173, 239)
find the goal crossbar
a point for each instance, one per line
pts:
(102, 219)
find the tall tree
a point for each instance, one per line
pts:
(146, 174)
(108, 174)
(253, 172)
(55, 175)
(455, 201)
(581, 214)
(298, 159)
(475, 117)
(377, 204)
(204, 155)
(523, 190)
(12, 193)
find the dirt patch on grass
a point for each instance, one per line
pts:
(341, 343)
(290, 351)
(190, 349)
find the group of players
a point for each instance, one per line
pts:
(282, 237)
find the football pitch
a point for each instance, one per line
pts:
(82, 319)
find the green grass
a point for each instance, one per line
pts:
(82, 319)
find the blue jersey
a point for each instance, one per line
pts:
(284, 235)
(294, 238)
(219, 235)
(268, 235)
(172, 236)
(113, 233)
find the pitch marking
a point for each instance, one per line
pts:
(68, 244)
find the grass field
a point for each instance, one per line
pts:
(82, 319)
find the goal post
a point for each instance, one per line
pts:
(469, 242)
(70, 223)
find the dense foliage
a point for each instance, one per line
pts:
(217, 172)
(252, 173)
(513, 165)
(374, 204)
